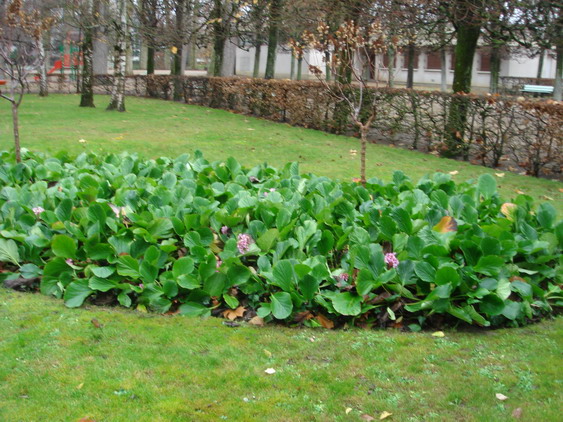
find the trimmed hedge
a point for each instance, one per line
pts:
(199, 238)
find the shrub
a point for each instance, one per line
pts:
(199, 238)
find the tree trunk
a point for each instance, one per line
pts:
(219, 36)
(177, 52)
(292, 67)
(364, 130)
(87, 91)
(410, 65)
(558, 91)
(257, 51)
(150, 60)
(299, 68)
(540, 65)
(391, 67)
(15, 122)
(495, 69)
(273, 34)
(468, 32)
(118, 91)
(43, 86)
(327, 66)
(443, 70)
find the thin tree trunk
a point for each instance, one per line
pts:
(220, 37)
(299, 68)
(178, 47)
(292, 67)
(558, 90)
(443, 70)
(118, 91)
(391, 67)
(87, 91)
(410, 65)
(273, 34)
(43, 87)
(495, 69)
(540, 65)
(257, 51)
(15, 122)
(327, 66)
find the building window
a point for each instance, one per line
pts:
(433, 60)
(485, 61)
(386, 61)
(405, 56)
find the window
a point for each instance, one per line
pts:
(433, 60)
(405, 55)
(485, 61)
(386, 61)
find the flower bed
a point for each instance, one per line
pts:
(198, 238)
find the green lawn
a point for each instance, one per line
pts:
(55, 365)
(157, 128)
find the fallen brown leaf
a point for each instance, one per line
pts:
(367, 417)
(257, 321)
(233, 314)
(96, 323)
(446, 224)
(324, 321)
(500, 396)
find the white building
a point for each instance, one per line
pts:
(427, 70)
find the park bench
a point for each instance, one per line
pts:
(537, 89)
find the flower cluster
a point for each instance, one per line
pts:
(244, 242)
(38, 210)
(391, 260)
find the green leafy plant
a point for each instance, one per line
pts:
(199, 238)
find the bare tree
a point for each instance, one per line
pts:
(350, 48)
(119, 22)
(19, 57)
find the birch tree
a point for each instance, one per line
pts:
(119, 22)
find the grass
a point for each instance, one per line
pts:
(57, 366)
(156, 128)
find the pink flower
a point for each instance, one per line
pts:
(391, 260)
(224, 230)
(343, 277)
(218, 264)
(69, 261)
(37, 210)
(244, 242)
(142, 286)
(272, 189)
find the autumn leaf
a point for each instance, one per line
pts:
(439, 334)
(348, 410)
(303, 316)
(259, 322)
(270, 371)
(499, 174)
(174, 49)
(446, 224)
(500, 396)
(79, 386)
(519, 192)
(508, 209)
(234, 314)
(324, 321)
(367, 417)
(384, 415)
(453, 173)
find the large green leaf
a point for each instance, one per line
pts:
(492, 305)
(281, 306)
(76, 293)
(128, 266)
(9, 251)
(64, 246)
(487, 185)
(347, 303)
(284, 276)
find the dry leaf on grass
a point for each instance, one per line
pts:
(270, 371)
(453, 173)
(384, 415)
(367, 417)
(348, 410)
(499, 174)
(500, 396)
(438, 334)
(233, 314)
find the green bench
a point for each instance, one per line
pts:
(537, 89)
